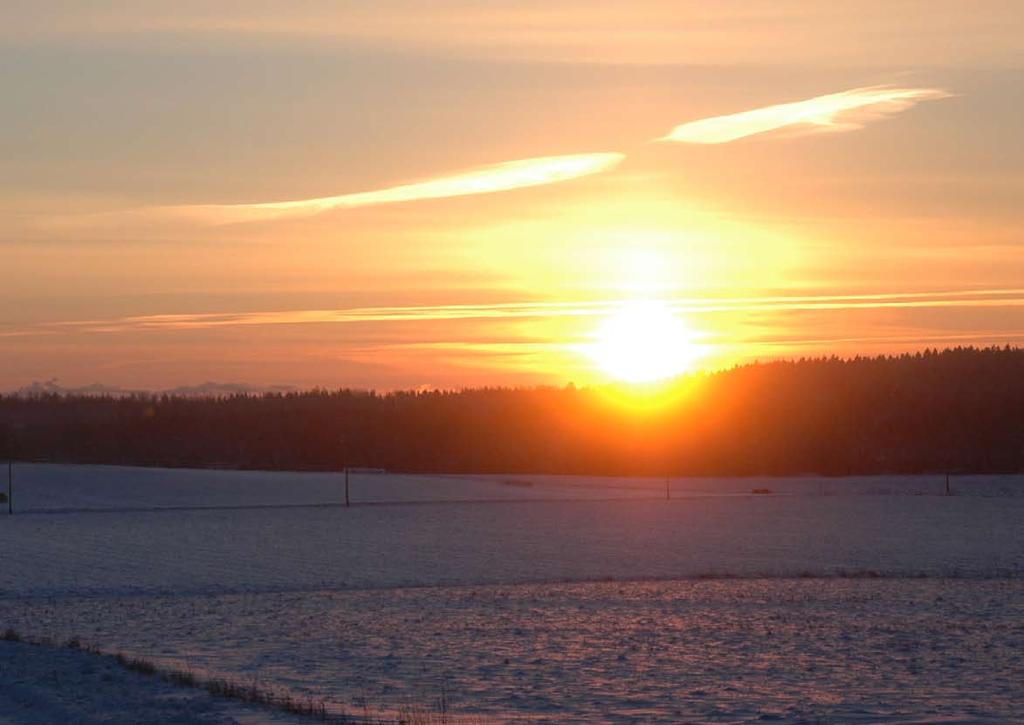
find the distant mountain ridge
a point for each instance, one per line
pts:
(208, 389)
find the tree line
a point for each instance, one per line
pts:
(958, 410)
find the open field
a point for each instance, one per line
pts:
(834, 599)
(43, 685)
(49, 487)
(839, 650)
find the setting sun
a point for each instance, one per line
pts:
(643, 341)
(614, 361)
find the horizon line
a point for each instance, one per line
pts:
(38, 389)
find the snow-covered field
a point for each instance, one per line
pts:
(807, 650)
(45, 685)
(58, 487)
(548, 597)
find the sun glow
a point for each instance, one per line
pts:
(643, 342)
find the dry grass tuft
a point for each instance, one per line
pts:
(253, 694)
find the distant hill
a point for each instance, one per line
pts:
(959, 410)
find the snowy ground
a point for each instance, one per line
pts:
(57, 487)
(687, 609)
(835, 650)
(47, 685)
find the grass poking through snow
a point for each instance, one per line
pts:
(252, 694)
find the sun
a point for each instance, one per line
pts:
(643, 342)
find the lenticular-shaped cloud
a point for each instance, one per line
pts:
(845, 111)
(484, 180)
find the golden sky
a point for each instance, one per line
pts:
(401, 194)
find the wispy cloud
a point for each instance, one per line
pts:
(482, 180)
(842, 111)
(845, 111)
(426, 313)
(531, 310)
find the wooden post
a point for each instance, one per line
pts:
(668, 496)
(347, 504)
(10, 488)
(947, 485)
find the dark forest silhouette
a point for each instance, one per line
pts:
(959, 410)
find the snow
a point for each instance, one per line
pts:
(836, 650)
(569, 598)
(47, 685)
(115, 531)
(49, 487)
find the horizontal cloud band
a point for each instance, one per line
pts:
(843, 111)
(505, 176)
(533, 310)
(846, 110)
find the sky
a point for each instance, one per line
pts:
(398, 194)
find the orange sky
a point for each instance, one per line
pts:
(320, 193)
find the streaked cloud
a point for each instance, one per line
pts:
(423, 313)
(844, 111)
(530, 310)
(505, 176)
